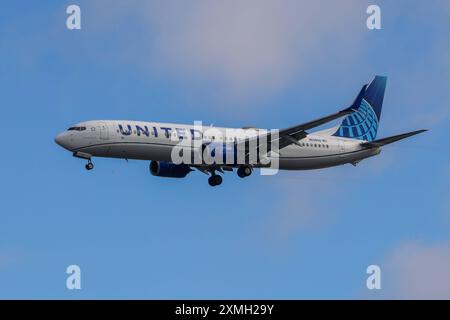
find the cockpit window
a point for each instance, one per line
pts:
(76, 129)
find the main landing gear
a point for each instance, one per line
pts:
(244, 171)
(214, 180)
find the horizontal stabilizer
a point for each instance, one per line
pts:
(388, 140)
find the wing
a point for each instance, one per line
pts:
(295, 133)
(292, 134)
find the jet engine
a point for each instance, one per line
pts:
(169, 169)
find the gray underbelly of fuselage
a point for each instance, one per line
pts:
(163, 152)
(319, 162)
(130, 150)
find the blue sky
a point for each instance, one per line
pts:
(270, 64)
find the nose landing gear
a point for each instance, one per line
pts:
(86, 156)
(89, 165)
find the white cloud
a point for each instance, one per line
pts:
(418, 271)
(253, 47)
(233, 51)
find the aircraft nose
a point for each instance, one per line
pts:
(61, 140)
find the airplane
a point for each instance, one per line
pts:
(293, 148)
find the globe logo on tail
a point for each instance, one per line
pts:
(362, 124)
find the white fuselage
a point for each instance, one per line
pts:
(155, 141)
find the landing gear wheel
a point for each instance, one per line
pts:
(89, 166)
(244, 172)
(215, 180)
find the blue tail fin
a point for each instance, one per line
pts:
(363, 123)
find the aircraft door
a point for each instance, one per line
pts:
(341, 147)
(103, 131)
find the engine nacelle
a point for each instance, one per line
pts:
(169, 169)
